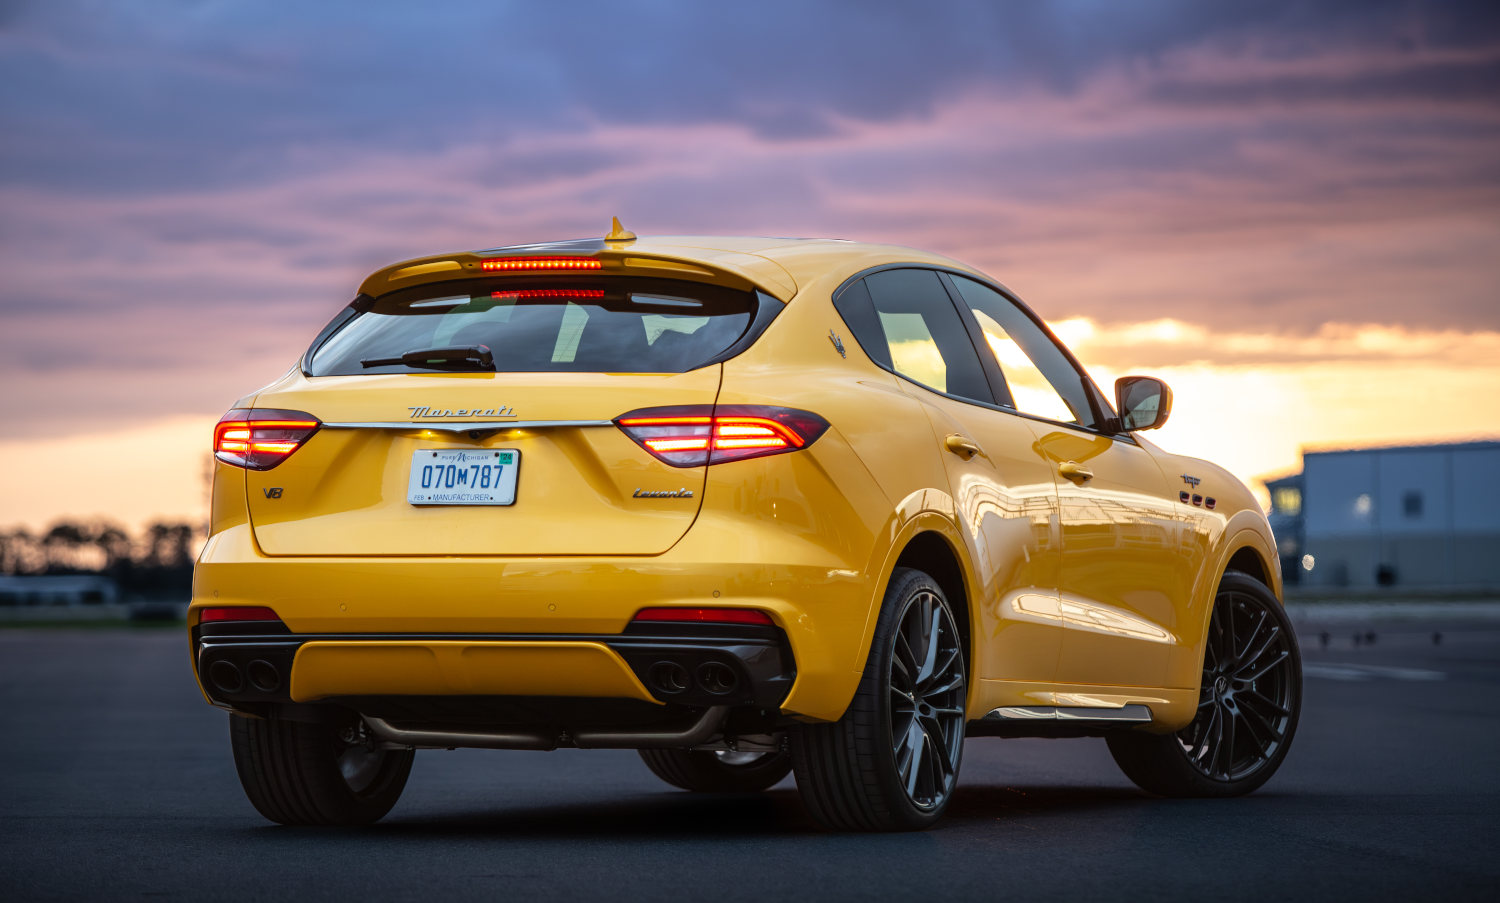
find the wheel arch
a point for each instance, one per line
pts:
(931, 543)
(1247, 547)
(1247, 561)
(931, 553)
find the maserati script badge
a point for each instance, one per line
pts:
(417, 413)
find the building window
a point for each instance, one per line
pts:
(1411, 504)
(1287, 501)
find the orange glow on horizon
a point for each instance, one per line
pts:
(1252, 413)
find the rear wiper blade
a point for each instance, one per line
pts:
(459, 357)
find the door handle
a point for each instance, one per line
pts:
(1075, 471)
(962, 446)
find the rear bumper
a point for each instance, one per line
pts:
(249, 663)
(818, 596)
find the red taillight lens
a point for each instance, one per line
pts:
(261, 438)
(706, 615)
(539, 264)
(237, 613)
(694, 435)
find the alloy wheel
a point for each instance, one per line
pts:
(927, 700)
(1246, 701)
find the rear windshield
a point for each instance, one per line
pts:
(619, 325)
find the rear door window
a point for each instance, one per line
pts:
(905, 320)
(614, 326)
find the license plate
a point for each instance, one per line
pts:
(467, 477)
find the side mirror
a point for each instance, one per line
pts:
(1144, 402)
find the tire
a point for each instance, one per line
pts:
(1249, 701)
(702, 771)
(316, 773)
(891, 762)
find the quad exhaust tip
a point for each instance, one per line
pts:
(263, 676)
(258, 676)
(669, 678)
(226, 676)
(717, 678)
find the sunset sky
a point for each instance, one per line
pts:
(1290, 211)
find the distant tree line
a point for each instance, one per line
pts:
(158, 560)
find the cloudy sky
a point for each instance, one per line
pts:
(1290, 210)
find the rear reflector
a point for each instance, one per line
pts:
(706, 615)
(535, 264)
(694, 435)
(237, 613)
(259, 439)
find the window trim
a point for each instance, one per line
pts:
(1104, 413)
(359, 305)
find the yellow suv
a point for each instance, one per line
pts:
(750, 506)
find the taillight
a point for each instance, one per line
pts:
(539, 264)
(237, 613)
(694, 435)
(261, 438)
(706, 615)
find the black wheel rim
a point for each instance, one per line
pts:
(358, 759)
(360, 767)
(927, 700)
(745, 759)
(1248, 696)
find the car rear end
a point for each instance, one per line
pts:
(476, 514)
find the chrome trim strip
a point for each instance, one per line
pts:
(1129, 714)
(700, 731)
(449, 426)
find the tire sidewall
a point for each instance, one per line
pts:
(875, 695)
(1204, 785)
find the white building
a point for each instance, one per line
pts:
(1421, 516)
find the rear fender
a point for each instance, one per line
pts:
(924, 511)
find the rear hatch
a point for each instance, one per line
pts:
(524, 380)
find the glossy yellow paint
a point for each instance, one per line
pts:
(456, 668)
(1004, 499)
(1125, 561)
(344, 493)
(1076, 593)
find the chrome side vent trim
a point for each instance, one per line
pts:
(1129, 714)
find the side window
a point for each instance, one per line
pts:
(905, 320)
(1041, 378)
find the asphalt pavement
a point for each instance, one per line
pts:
(116, 782)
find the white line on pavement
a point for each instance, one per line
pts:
(1369, 672)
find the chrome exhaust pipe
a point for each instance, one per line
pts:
(705, 727)
(695, 734)
(418, 739)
